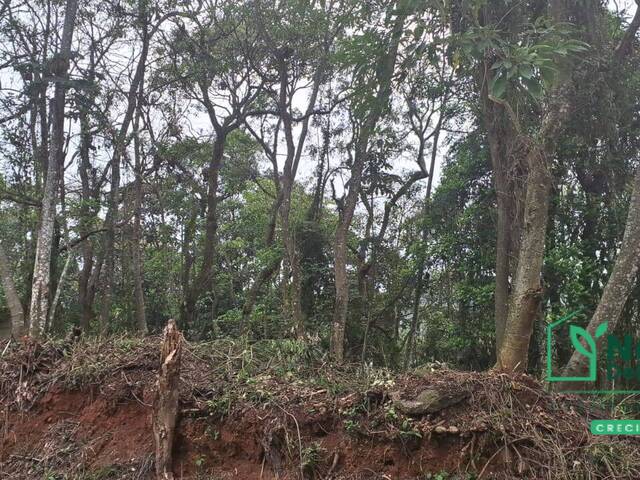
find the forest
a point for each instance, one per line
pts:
(354, 185)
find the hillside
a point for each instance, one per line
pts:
(276, 410)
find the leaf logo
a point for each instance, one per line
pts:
(584, 343)
(579, 335)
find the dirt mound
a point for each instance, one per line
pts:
(276, 410)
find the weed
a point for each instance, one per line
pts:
(351, 426)
(221, 405)
(200, 461)
(311, 456)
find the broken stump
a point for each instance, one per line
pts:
(165, 405)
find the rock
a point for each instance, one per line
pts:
(440, 429)
(428, 401)
(428, 368)
(453, 429)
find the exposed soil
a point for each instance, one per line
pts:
(271, 411)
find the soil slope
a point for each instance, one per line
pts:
(275, 410)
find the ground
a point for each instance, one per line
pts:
(277, 410)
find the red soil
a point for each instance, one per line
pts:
(103, 434)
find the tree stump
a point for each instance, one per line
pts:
(165, 405)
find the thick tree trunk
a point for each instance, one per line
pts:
(165, 406)
(13, 300)
(619, 285)
(501, 138)
(526, 291)
(503, 254)
(40, 291)
(527, 288)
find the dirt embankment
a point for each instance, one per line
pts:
(274, 410)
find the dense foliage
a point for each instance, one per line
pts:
(213, 151)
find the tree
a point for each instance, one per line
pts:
(620, 282)
(41, 274)
(299, 52)
(373, 107)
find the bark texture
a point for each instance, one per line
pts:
(527, 291)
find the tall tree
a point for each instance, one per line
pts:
(120, 142)
(212, 61)
(41, 275)
(372, 110)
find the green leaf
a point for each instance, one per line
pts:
(602, 328)
(498, 85)
(525, 71)
(534, 88)
(575, 333)
(547, 74)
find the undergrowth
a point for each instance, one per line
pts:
(508, 426)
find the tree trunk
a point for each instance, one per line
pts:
(204, 280)
(40, 291)
(89, 204)
(59, 287)
(619, 285)
(110, 240)
(527, 289)
(137, 252)
(13, 301)
(503, 241)
(187, 264)
(138, 278)
(292, 281)
(165, 406)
